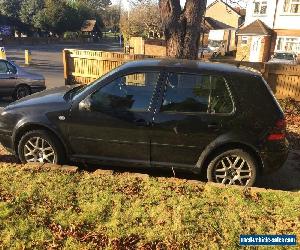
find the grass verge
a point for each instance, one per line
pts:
(42, 209)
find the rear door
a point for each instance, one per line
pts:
(194, 111)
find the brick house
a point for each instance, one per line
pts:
(270, 26)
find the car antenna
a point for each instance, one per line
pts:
(240, 62)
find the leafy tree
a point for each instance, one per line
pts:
(56, 16)
(111, 17)
(10, 8)
(98, 5)
(29, 11)
(53, 17)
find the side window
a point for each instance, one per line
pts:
(11, 68)
(128, 93)
(3, 67)
(196, 93)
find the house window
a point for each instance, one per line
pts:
(292, 6)
(279, 43)
(260, 7)
(288, 44)
(244, 40)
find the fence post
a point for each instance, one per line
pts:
(66, 54)
(266, 71)
(2, 53)
(27, 57)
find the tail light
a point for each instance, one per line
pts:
(278, 132)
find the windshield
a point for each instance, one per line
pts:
(285, 56)
(213, 43)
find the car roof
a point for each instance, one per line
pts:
(284, 52)
(182, 65)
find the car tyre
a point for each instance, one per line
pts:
(40, 146)
(21, 91)
(233, 167)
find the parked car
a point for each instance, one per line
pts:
(205, 52)
(284, 58)
(208, 118)
(17, 82)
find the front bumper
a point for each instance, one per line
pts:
(7, 141)
(35, 89)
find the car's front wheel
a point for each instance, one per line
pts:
(233, 167)
(40, 146)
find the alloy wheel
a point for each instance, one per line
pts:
(37, 149)
(22, 91)
(233, 170)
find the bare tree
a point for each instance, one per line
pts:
(142, 19)
(182, 27)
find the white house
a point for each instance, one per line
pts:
(282, 17)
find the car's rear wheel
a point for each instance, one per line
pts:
(21, 91)
(40, 146)
(233, 167)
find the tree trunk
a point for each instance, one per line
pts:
(182, 27)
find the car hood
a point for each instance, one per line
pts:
(46, 98)
(285, 61)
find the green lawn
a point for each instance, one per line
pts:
(42, 209)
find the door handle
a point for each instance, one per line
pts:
(213, 126)
(141, 122)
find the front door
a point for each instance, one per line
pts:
(255, 49)
(116, 126)
(195, 110)
(7, 78)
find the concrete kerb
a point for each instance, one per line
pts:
(49, 167)
(74, 169)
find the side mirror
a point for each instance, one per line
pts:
(86, 104)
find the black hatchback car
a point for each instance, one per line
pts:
(211, 118)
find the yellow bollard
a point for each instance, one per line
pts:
(27, 57)
(2, 53)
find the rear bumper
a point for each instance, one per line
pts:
(273, 160)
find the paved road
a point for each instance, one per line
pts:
(47, 59)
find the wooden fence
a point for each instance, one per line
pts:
(85, 66)
(284, 80)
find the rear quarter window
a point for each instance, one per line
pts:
(254, 96)
(193, 93)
